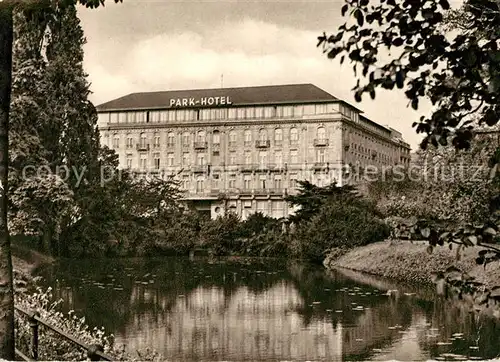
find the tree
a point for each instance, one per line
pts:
(460, 76)
(7, 345)
(310, 198)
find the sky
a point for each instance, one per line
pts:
(154, 45)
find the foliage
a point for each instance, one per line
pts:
(221, 234)
(52, 346)
(310, 198)
(342, 225)
(345, 219)
(460, 76)
(40, 204)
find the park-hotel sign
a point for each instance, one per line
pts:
(197, 102)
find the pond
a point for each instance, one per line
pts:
(246, 309)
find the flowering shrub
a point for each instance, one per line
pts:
(53, 346)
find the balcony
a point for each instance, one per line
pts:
(320, 142)
(277, 167)
(320, 166)
(248, 167)
(262, 144)
(142, 147)
(199, 168)
(262, 167)
(216, 146)
(200, 145)
(170, 145)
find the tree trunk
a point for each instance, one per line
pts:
(6, 285)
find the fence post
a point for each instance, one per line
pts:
(34, 334)
(92, 352)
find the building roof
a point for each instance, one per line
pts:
(261, 95)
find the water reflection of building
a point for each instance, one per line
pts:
(209, 324)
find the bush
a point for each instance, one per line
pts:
(54, 347)
(338, 225)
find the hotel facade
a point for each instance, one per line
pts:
(244, 149)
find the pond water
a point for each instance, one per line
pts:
(240, 309)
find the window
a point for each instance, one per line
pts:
(185, 182)
(116, 141)
(277, 209)
(154, 116)
(156, 158)
(170, 139)
(216, 137)
(201, 136)
(298, 111)
(180, 115)
(122, 117)
(130, 142)
(143, 140)
(248, 137)
(320, 155)
(262, 158)
(293, 181)
(240, 113)
(232, 158)
(277, 182)
(262, 134)
(278, 158)
(262, 182)
(286, 111)
(140, 117)
(185, 159)
(250, 113)
(278, 135)
(259, 112)
(294, 157)
(269, 112)
(294, 135)
(129, 161)
(185, 139)
(156, 141)
(321, 108)
(309, 110)
(232, 181)
(143, 162)
(262, 207)
(215, 182)
(200, 159)
(170, 159)
(248, 157)
(321, 133)
(232, 138)
(200, 185)
(247, 182)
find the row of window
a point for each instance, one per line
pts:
(201, 136)
(209, 114)
(201, 158)
(247, 182)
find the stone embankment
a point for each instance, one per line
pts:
(410, 262)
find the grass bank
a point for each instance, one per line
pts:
(410, 262)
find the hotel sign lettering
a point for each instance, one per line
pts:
(200, 102)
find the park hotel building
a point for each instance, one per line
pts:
(244, 149)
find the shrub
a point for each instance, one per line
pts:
(52, 346)
(338, 225)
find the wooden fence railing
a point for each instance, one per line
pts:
(94, 351)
